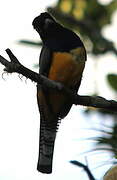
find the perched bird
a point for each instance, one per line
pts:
(62, 59)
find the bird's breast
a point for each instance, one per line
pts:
(67, 67)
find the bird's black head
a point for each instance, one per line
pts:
(54, 35)
(44, 24)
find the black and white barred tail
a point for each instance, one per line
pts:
(48, 129)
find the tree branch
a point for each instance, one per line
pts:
(93, 101)
(86, 168)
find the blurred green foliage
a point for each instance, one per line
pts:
(30, 43)
(112, 80)
(108, 140)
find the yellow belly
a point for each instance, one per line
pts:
(67, 70)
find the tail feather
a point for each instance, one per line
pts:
(46, 149)
(48, 129)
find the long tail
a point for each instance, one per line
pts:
(48, 129)
(46, 149)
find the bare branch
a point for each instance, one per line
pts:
(93, 101)
(86, 168)
(98, 102)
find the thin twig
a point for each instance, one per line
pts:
(86, 168)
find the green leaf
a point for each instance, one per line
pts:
(27, 42)
(112, 80)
